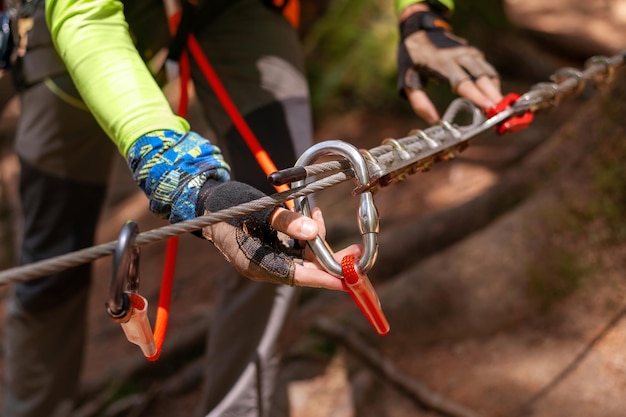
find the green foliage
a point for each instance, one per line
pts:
(350, 54)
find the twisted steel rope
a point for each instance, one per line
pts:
(542, 96)
(424, 144)
(69, 260)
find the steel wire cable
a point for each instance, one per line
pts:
(71, 259)
(424, 143)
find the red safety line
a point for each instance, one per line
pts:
(163, 310)
(264, 160)
(171, 250)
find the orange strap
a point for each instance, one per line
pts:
(292, 13)
(291, 10)
(171, 250)
(163, 310)
(229, 106)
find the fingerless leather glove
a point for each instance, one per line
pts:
(429, 50)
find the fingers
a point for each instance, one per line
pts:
(422, 106)
(490, 86)
(354, 250)
(316, 214)
(311, 274)
(296, 225)
(483, 87)
(484, 93)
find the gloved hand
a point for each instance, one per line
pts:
(171, 167)
(185, 176)
(429, 50)
(258, 250)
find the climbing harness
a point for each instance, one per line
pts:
(288, 8)
(391, 162)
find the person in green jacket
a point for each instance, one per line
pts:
(87, 96)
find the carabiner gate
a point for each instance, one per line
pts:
(367, 214)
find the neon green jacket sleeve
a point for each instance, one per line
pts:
(93, 40)
(402, 4)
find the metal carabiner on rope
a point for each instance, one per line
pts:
(354, 271)
(125, 306)
(125, 272)
(368, 220)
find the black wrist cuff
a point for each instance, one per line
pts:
(422, 21)
(215, 196)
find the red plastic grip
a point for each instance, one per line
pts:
(364, 295)
(137, 329)
(514, 123)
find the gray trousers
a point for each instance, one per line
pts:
(257, 55)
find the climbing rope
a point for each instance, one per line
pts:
(389, 163)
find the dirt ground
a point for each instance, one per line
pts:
(465, 325)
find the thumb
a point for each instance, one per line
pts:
(296, 225)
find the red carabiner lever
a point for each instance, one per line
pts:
(363, 293)
(514, 123)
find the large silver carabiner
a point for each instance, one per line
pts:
(367, 214)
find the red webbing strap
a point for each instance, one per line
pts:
(171, 249)
(246, 133)
(290, 9)
(263, 159)
(163, 309)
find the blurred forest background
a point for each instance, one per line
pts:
(501, 272)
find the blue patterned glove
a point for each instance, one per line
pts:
(171, 168)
